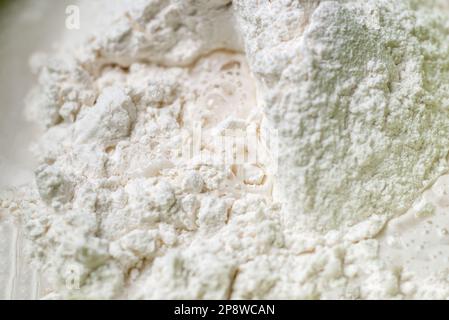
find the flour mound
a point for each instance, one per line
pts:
(358, 92)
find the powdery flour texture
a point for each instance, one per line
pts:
(345, 102)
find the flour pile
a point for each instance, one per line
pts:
(338, 110)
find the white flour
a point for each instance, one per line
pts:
(140, 192)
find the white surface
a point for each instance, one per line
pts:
(25, 27)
